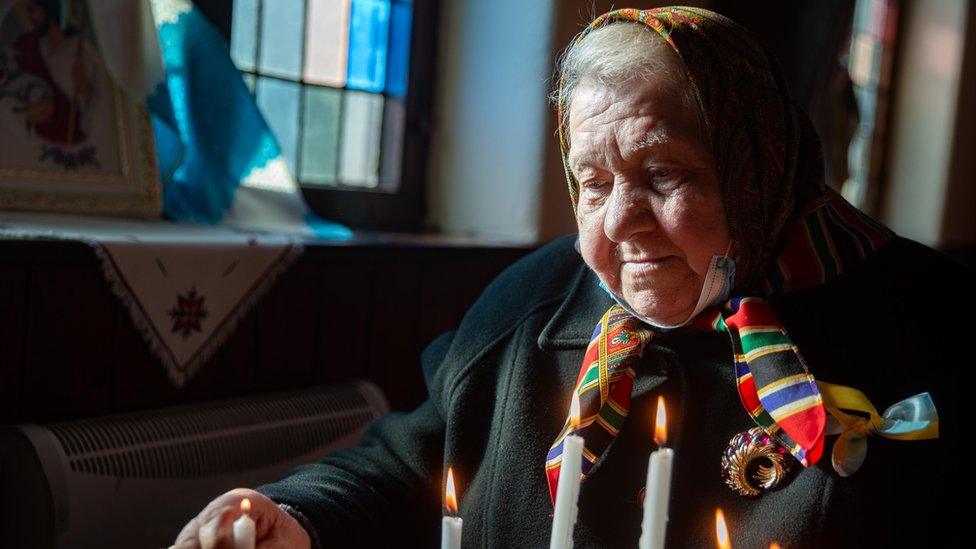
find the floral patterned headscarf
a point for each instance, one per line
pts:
(767, 153)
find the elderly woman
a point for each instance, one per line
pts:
(721, 274)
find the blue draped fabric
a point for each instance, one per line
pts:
(209, 132)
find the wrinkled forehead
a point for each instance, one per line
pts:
(724, 71)
(627, 118)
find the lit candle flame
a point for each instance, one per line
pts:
(450, 498)
(245, 506)
(774, 545)
(721, 531)
(574, 412)
(660, 424)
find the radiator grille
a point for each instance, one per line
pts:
(214, 438)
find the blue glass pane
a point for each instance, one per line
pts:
(279, 103)
(320, 141)
(862, 15)
(866, 101)
(398, 63)
(369, 29)
(243, 34)
(282, 37)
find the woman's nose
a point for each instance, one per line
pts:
(628, 213)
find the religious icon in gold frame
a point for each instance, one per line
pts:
(70, 139)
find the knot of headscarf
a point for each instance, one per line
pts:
(790, 231)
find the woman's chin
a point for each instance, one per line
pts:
(662, 310)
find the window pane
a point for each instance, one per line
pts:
(279, 102)
(398, 63)
(327, 42)
(362, 121)
(394, 118)
(369, 25)
(282, 32)
(320, 143)
(243, 35)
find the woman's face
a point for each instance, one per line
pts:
(650, 211)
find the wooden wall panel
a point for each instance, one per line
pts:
(342, 333)
(231, 370)
(286, 319)
(13, 296)
(442, 301)
(68, 351)
(394, 348)
(68, 347)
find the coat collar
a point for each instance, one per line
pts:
(571, 326)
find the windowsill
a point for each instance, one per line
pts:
(418, 240)
(48, 238)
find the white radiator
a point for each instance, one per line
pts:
(133, 480)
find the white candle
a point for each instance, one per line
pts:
(244, 528)
(451, 532)
(451, 525)
(657, 490)
(567, 490)
(656, 493)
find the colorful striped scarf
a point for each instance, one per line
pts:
(790, 231)
(775, 385)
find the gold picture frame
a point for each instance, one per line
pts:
(71, 140)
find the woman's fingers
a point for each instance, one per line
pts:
(218, 531)
(285, 533)
(213, 528)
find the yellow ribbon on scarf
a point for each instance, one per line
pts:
(914, 418)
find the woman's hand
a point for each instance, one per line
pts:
(213, 528)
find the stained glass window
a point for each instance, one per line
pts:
(870, 69)
(330, 77)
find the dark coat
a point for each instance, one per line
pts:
(499, 391)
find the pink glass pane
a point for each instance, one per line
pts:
(326, 42)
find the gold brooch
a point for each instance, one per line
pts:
(754, 462)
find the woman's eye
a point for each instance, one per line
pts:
(595, 184)
(664, 180)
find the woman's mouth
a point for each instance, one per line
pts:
(648, 265)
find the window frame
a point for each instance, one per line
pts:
(379, 209)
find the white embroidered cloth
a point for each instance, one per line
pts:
(185, 285)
